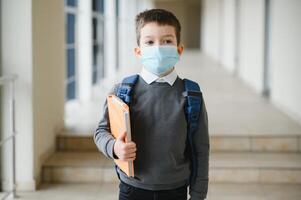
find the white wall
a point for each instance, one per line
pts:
(48, 39)
(251, 43)
(285, 56)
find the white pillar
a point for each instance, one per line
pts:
(211, 33)
(16, 57)
(110, 40)
(84, 75)
(128, 63)
(251, 43)
(124, 24)
(229, 34)
(285, 56)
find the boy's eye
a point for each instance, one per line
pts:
(167, 41)
(149, 42)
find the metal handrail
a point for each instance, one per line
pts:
(7, 79)
(5, 140)
(11, 81)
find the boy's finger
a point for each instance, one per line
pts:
(128, 148)
(131, 155)
(130, 145)
(133, 150)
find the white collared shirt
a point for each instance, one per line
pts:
(150, 77)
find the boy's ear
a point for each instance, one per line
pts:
(137, 51)
(180, 49)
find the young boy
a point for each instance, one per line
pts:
(159, 146)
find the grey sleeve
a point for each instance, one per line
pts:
(103, 138)
(198, 191)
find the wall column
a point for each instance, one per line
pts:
(110, 40)
(84, 50)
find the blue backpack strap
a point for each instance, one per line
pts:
(125, 90)
(192, 108)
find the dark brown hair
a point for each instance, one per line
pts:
(160, 16)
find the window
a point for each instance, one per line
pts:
(98, 40)
(71, 51)
(72, 3)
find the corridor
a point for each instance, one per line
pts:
(58, 67)
(86, 174)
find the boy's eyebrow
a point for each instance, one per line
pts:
(168, 35)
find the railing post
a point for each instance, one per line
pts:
(14, 138)
(10, 80)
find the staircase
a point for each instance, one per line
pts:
(233, 159)
(78, 161)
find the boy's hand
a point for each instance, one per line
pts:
(125, 151)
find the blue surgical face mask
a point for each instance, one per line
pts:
(159, 59)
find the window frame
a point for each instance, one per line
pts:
(99, 68)
(74, 11)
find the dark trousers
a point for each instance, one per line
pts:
(128, 192)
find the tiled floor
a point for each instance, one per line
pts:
(216, 192)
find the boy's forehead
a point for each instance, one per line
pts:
(153, 29)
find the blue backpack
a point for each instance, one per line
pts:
(192, 108)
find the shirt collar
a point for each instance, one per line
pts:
(150, 77)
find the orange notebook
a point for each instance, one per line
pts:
(119, 116)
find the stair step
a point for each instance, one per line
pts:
(255, 167)
(78, 167)
(246, 167)
(75, 143)
(256, 143)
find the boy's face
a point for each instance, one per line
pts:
(153, 34)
